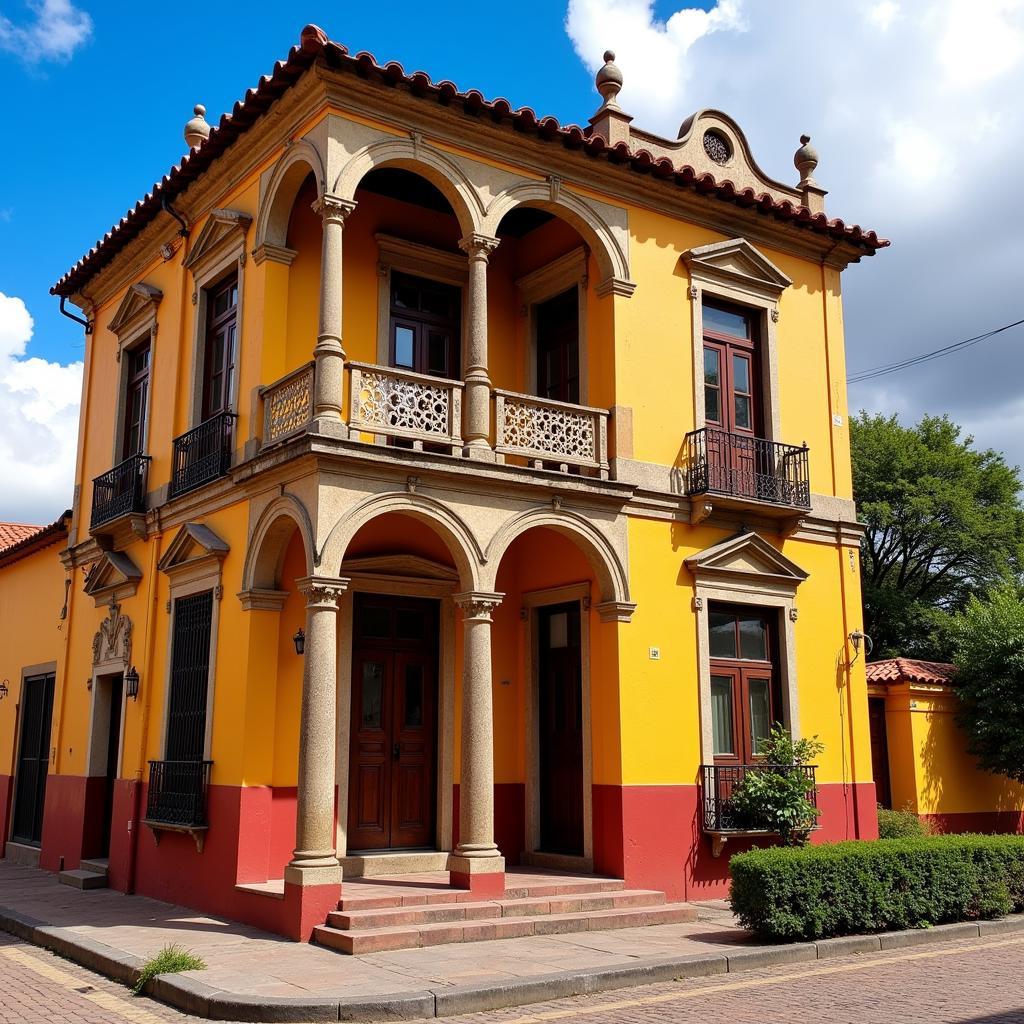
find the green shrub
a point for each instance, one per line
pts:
(773, 797)
(788, 894)
(903, 824)
(170, 960)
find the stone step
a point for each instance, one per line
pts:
(433, 913)
(82, 879)
(443, 932)
(352, 900)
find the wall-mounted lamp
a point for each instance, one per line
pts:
(131, 683)
(300, 642)
(856, 637)
(4, 689)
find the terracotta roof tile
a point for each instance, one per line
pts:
(314, 45)
(895, 670)
(32, 538)
(12, 533)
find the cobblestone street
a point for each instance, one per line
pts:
(971, 981)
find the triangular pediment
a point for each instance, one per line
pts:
(746, 556)
(222, 229)
(137, 307)
(737, 261)
(194, 544)
(407, 566)
(113, 578)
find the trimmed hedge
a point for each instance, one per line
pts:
(900, 825)
(786, 894)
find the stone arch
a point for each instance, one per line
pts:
(428, 163)
(299, 160)
(608, 567)
(270, 538)
(611, 259)
(456, 534)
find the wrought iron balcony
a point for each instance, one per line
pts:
(203, 454)
(747, 468)
(550, 433)
(720, 781)
(177, 794)
(120, 491)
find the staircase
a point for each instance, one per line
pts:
(90, 874)
(397, 913)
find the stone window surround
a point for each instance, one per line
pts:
(116, 662)
(545, 282)
(208, 269)
(757, 294)
(198, 575)
(420, 261)
(402, 586)
(532, 601)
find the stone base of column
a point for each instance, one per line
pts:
(484, 877)
(327, 426)
(479, 451)
(306, 906)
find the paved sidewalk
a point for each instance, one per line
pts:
(246, 961)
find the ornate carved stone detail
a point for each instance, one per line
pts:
(478, 606)
(113, 640)
(694, 291)
(548, 430)
(698, 604)
(333, 208)
(478, 247)
(774, 314)
(794, 614)
(324, 591)
(288, 405)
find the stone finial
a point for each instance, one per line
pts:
(609, 80)
(806, 160)
(197, 131)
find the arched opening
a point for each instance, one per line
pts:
(398, 670)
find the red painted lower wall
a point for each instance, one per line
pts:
(977, 821)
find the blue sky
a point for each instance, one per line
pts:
(913, 106)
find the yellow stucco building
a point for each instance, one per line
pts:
(456, 490)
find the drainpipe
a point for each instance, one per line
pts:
(136, 819)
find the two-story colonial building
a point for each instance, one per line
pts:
(457, 490)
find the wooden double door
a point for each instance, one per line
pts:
(33, 759)
(393, 744)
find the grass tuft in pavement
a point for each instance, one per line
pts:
(170, 960)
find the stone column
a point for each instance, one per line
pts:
(328, 353)
(314, 861)
(477, 408)
(476, 863)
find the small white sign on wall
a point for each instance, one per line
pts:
(654, 653)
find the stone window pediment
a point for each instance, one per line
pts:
(223, 232)
(746, 560)
(136, 315)
(113, 578)
(738, 263)
(195, 551)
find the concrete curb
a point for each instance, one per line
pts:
(193, 996)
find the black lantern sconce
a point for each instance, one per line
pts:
(300, 642)
(131, 683)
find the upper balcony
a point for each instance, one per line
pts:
(747, 472)
(202, 454)
(119, 493)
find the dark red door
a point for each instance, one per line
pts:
(879, 751)
(560, 720)
(393, 746)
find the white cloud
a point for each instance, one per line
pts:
(39, 412)
(915, 110)
(58, 28)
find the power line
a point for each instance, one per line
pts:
(880, 371)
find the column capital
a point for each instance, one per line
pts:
(333, 208)
(478, 605)
(322, 591)
(478, 247)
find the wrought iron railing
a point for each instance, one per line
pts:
(120, 491)
(720, 781)
(287, 404)
(203, 454)
(177, 793)
(413, 406)
(550, 433)
(721, 462)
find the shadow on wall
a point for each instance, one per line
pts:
(949, 772)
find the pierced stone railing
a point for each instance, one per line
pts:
(287, 405)
(550, 433)
(413, 406)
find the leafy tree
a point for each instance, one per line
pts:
(989, 656)
(944, 522)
